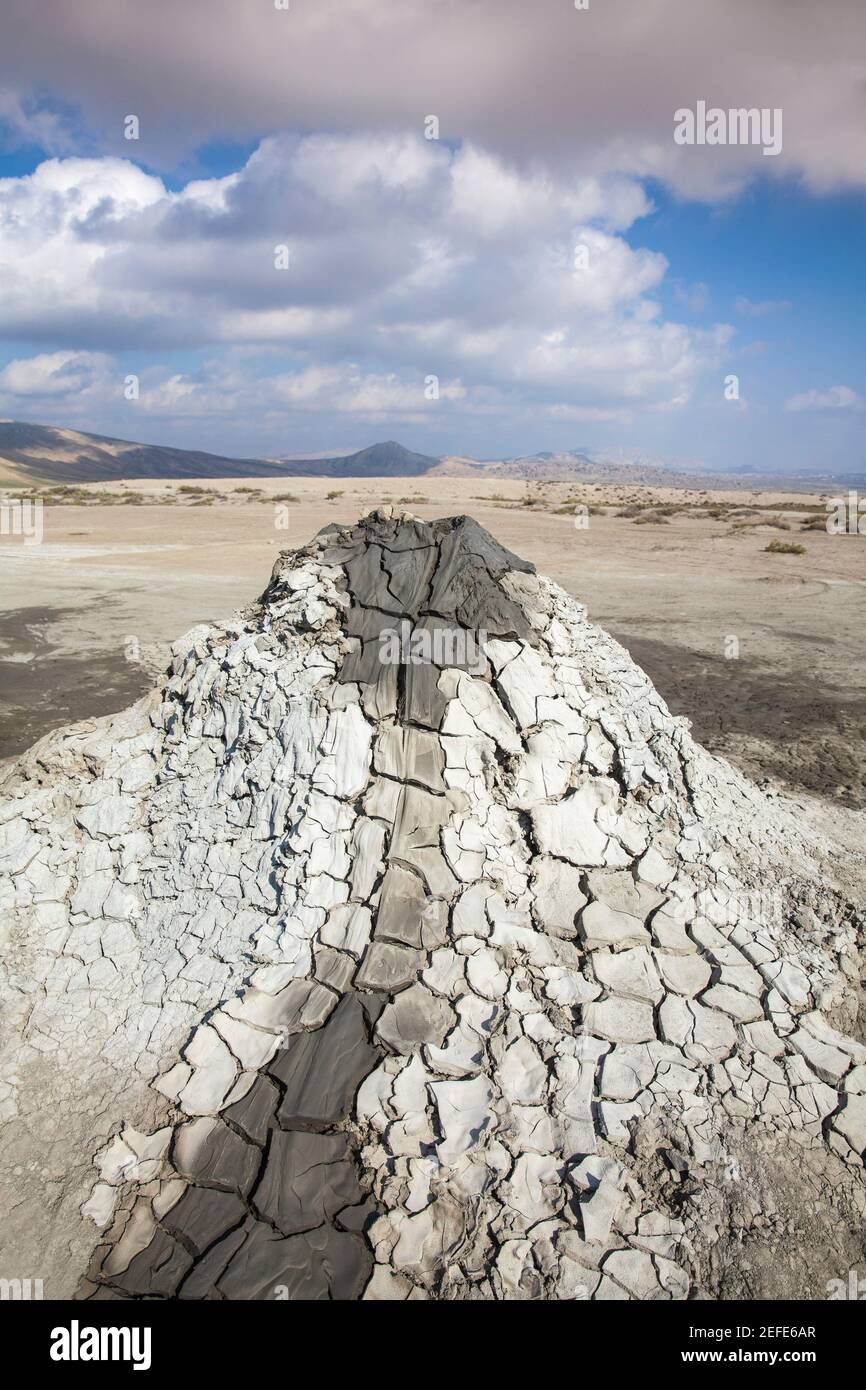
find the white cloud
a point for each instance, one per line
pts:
(53, 374)
(584, 90)
(834, 398)
(405, 259)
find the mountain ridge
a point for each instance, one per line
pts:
(386, 460)
(32, 454)
(50, 453)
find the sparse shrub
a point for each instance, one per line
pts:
(67, 495)
(784, 548)
(752, 522)
(589, 509)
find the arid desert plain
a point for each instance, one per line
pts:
(765, 652)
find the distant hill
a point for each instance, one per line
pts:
(388, 460)
(45, 454)
(645, 471)
(42, 453)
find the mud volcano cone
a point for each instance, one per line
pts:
(403, 945)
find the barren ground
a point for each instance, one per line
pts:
(86, 618)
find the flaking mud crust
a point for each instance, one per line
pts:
(329, 977)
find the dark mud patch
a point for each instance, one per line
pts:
(43, 685)
(791, 728)
(788, 727)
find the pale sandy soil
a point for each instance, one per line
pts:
(109, 581)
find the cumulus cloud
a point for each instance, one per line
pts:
(370, 263)
(834, 398)
(593, 89)
(59, 374)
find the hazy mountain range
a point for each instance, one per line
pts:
(43, 453)
(32, 453)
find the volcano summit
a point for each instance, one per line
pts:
(329, 975)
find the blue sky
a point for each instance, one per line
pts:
(798, 261)
(412, 260)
